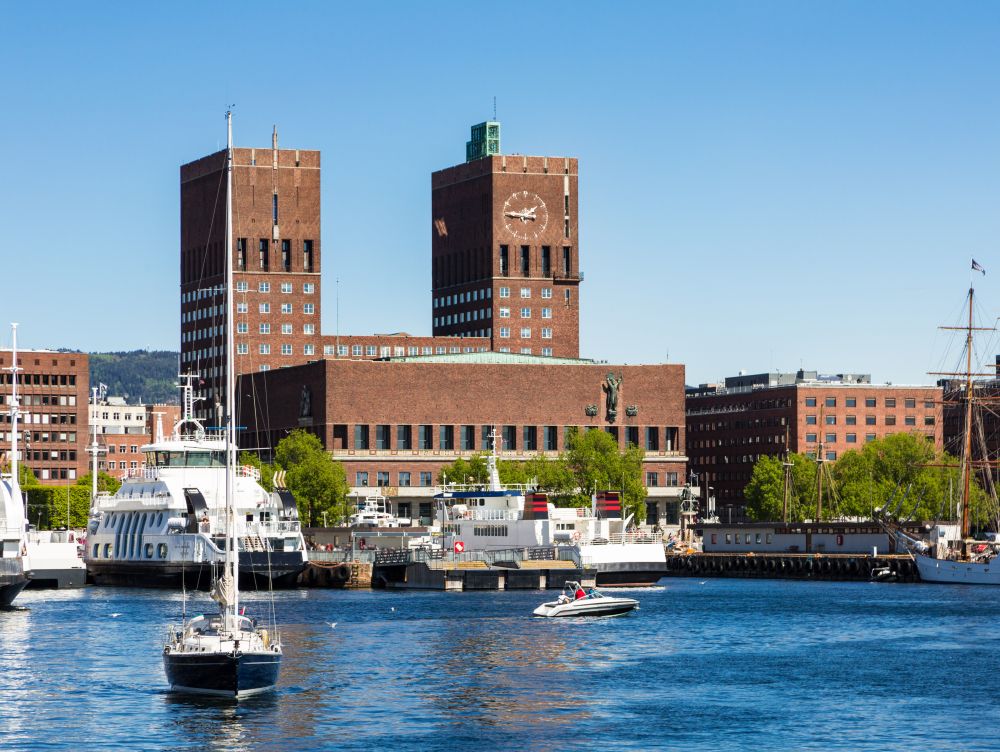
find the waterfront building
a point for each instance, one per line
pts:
(731, 425)
(395, 423)
(123, 429)
(53, 425)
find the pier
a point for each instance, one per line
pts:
(792, 566)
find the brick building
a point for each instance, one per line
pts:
(123, 429)
(395, 423)
(276, 260)
(730, 426)
(52, 387)
(505, 257)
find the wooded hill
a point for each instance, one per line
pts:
(138, 375)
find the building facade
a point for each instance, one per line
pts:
(276, 262)
(52, 387)
(730, 426)
(505, 254)
(395, 423)
(123, 429)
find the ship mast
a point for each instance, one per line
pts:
(967, 449)
(232, 606)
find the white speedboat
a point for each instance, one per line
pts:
(372, 510)
(576, 602)
(56, 559)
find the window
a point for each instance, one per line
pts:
(264, 328)
(286, 349)
(286, 287)
(264, 349)
(307, 255)
(566, 262)
(241, 308)
(910, 402)
(831, 455)
(504, 261)
(404, 437)
(830, 438)
(546, 313)
(356, 351)
(360, 437)
(309, 329)
(525, 313)
(262, 253)
(509, 435)
(810, 402)
(851, 402)
(361, 478)
(381, 436)
(810, 438)
(546, 332)
(504, 332)
(468, 437)
(810, 420)
(831, 420)
(242, 348)
(890, 420)
(910, 420)
(309, 288)
(242, 327)
(831, 402)
(525, 260)
(425, 478)
(852, 438)
(890, 401)
(309, 349)
(504, 292)
(265, 308)
(929, 404)
(652, 438)
(652, 479)
(546, 293)
(371, 350)
(547, 352)
(286, 328)
(869, 402)
(546, 261)
(928, 420)
(551, 439)
(242, 287)
(424, 437)
(525, 292)
(869, 420)
(308, 309)
(869, 437)
(851, 420)
(530, 436)
(504, 312)
(525, 333)
(404, 478)
(286, 307)
(446, 437)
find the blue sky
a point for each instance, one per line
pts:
(763, 184)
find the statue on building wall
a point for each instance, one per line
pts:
(305, 402)
(611, 386)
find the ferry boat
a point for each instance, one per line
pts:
(167, 522)
(13, 524)
(496, 517)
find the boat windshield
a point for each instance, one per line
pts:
(200, 458)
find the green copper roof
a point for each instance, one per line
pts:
(484, 141)
(493, 357)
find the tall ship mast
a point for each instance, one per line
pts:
(13, 522)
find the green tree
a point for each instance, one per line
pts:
(596, 464)
(105, 482)
(318, 483)
(765, 491)
(26, 476)
(471, 470)
(266, 470)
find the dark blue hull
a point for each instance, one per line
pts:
(222, 674)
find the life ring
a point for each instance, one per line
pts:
(576, 536)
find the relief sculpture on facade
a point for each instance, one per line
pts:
(611, 387)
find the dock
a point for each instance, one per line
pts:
(791, 566)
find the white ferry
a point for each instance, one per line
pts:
(167, 521)
(495, 517)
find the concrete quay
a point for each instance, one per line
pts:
(812, 566)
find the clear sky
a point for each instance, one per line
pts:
(763, 185)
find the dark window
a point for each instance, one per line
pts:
(424, 437)
(509, 438)
(468, 438)
(530, 434)
(869, 402)
(286, 255)
(525, 260)
(831, 420)
(811, 438)
(566, 260)
(890, 420)
(404, 480)
(382, 478)
(425, 480)
(631, 435)
(831, 401)
(890, 401)
(504, 262)
(241, 253)
(274, 208)
(652, 479)
(928, 420)
(869, 420)
(551, 439)
(852, 438)
(851, 402)
(810, 402)
(263, 249)
(910, 420)
(652, 438)
(404, 437)
(910, 402)
(360, 437)
(851, 420)
(446, 436)
(307, 255)
(810, 420)
(830, 438)
(382, 437)
(831, 455)
(546, 261)
(487, 442)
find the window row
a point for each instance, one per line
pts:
(261, 261)
(40, 379)
(909, 402)
(546, 265)
(871, 420)
(472, 296)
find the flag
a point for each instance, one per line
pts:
(977, 268)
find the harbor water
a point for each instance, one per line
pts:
(717, 664)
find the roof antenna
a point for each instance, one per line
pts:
(494, 108)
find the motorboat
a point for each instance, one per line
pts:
(372, 511)
(56, 559)
(575, 601)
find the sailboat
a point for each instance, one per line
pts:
(960, 560)
(13, 550)
(226, 654)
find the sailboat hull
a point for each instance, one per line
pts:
(222, 674)
(957, 572)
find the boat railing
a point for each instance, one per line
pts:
(632, 536)
(340, 556)
(521, 488)
(485, 514)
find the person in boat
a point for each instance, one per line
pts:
(580, 592)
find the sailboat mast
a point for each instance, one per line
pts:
(231, 554)
(967, 449)
(14, 411)
(785, 505)
(819, 470)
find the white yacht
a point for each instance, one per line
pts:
(13, 524)
(496, 517)
(372, 511)
(56, 559)
(167, 522)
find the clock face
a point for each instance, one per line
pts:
(525, 215)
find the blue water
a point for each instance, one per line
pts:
(704, 665)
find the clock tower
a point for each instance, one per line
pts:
(505, 249)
